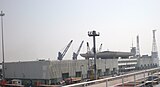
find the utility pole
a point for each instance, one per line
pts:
(94, 34)
(3, 72)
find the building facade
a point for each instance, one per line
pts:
(55, 71)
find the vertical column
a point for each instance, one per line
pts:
(158, 75)
(95, 57)
(122, 81)
(107, 83)
(144, 76)
(94, 34)
(134, 80)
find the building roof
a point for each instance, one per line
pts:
(107, 54)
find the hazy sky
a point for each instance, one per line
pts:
(38, 29)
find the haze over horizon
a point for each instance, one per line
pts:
(39, 29)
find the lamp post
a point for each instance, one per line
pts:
(94, 34)
(3, 72)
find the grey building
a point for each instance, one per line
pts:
(146, 61)
(54, 71)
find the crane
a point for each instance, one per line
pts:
(100, 48)
(76, 54)
(88, 49)
(61, 55)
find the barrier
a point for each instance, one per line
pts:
(113, 81)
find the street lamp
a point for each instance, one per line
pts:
(3, 72)
(94, 34)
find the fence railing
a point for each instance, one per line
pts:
(121, 79)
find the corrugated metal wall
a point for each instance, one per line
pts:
(54, 69)
(27, 70)
(73, 66)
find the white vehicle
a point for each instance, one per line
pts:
(17, 82)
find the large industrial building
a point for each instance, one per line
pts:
(55, 71)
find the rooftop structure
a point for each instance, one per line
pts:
(108, 55)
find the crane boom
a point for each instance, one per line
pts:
(100, 48)
(89, 51)
(77, 53)
(80, 47)
(61, 55)
(88, 48)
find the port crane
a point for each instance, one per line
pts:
(61, 55)
(100, 48)
(88, 49)
(77, 53)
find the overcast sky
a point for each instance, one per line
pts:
(38, 29)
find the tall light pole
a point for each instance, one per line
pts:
(3, 72)
(94, 34)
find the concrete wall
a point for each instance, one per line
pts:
(107, 64)
(27, 70)
(54, 69)
(144, 61)
(71, 67)
(147, 62)
(127, 64)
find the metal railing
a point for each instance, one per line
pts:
(121, 79)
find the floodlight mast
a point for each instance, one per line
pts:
(94, 34)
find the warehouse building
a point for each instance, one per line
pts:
(50, 72)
